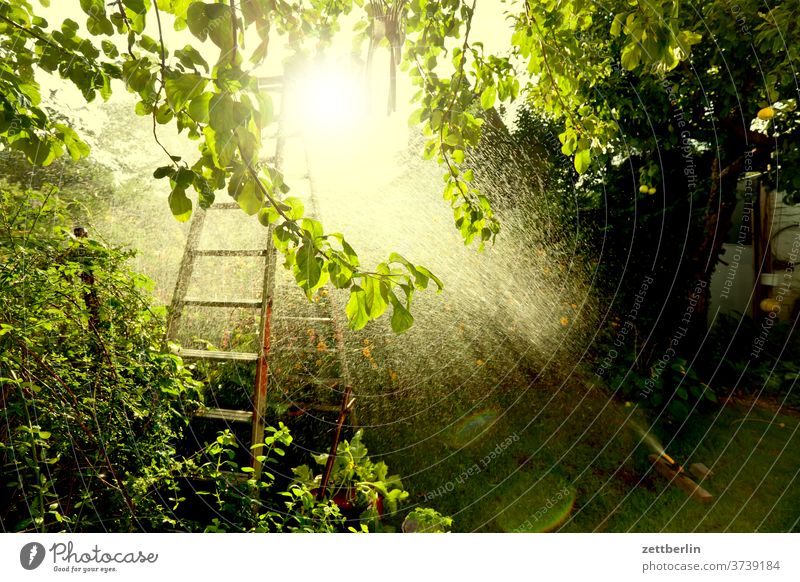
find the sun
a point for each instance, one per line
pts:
(326, 97)
(351, 143)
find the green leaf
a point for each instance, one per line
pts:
(265, 109)
(340, 274)
(184, 178)
(163, 172)
(198, 108)
(180, 205)
(143, 108)
(432, 277)
(183, 87)
(453, 138)
(268, 215)
(197, 20)
(109, 49)
(376, 297)
(191, 58)
(488, 97)
(631, 55)
(149, 44)
(282, 237)
(248, 196)
(678, 409)
(583, 160)
(616, 26)
(313, 228)
(164, 114)
(76, 147)
(296, 208)
(308, 268)
(402, 319)
(356, 308)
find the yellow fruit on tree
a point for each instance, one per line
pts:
(770, 304)
(643, 189)
(651, 191)
(766, 113)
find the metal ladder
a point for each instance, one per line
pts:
(266, 340)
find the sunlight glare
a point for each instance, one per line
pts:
(352, 143)
(328, 98)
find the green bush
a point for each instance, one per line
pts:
(361, 487)
(91, 405)
(427, 520)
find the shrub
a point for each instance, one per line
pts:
(91, 405)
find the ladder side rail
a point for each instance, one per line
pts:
(262, 369)
(185, 273)
(268, 291)
(333, 306)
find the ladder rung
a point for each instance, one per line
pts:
(216, 355)
(285, 350)
(286, 135)
(225, 414)
(297, 318)
(272, 81)
(225, 206)
(247, 303)
(307, 350)
(305, 407)
(311, 380)
(230, 252)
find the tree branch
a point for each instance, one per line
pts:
(162, 79)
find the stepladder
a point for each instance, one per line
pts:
(235, 305)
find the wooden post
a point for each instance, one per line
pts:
(347, 404)
(262, 369)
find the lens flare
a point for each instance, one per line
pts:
(470, 428)
(541, 508)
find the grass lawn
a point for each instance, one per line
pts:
(570, 463)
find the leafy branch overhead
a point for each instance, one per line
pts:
(219, 104)
(588, 67)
